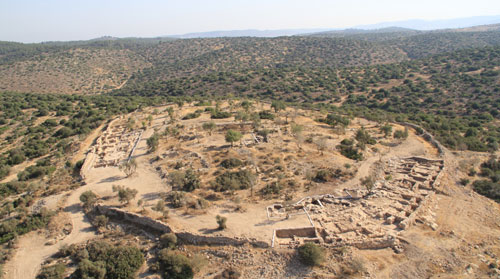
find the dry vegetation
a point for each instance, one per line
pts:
(78, 70)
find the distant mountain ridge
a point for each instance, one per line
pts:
(248, 33)
(413, 25)
(427, 25)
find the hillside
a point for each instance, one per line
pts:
(104, 64)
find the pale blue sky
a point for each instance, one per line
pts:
(45, 20)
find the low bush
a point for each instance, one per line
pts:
(174, 265)
(121, 262)
(266, 115)
(177, 199)
(347, 149)
(192, 115)
(168, 240)
(231, 163)
(52, 272)
(487, 188)
(273, 188)
(221, 222)
(220, 114)
(238, 180)
(311, 254)
(187, 181)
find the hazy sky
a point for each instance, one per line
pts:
(45, 20)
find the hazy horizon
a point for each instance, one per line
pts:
(31, 21)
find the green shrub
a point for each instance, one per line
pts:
(88, 198)
(33, 172)
(220, 114)
(238, 180)
(4, 171)
(100, 221)
(487, 188)
(187, 181)
(221, 222)
(233, 136)
(175, 266)
(90, 270)
(153, 142)
(347, 149)
(464, 181)
(266, 115)
(168, 240)
(125, 194)
(401, 134)
(121, 262)
(192, 115)
(231, 163)
(230, 273)
(311, 254)
(273, 188)
(177, 199)
(363, 137)
(52, 272)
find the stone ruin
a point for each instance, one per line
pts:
(115, 145)
(363, 219)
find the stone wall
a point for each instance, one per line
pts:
(134, 219)
(300, 232)
(427, 136)
(158, 227)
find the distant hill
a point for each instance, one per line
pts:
(137, 64)
(419, 24)
(247, 33)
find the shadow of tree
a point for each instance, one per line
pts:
(208, 231)
(111, 179)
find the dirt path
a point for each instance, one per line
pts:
(32, 251)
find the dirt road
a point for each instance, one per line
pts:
(32, 251)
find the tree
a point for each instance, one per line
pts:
(209, 127)
(363, 137)
(264, 133)
(221, 221)
(130, 124)
(246, 105)
(335, 119)
(321, 144)
(311, 254)
(278, 105)
(129, 167)
(233, 136)
(125, 195)
(297, 133)
(150, 120)
(401, 134)
(369, 183)
(179, 103)
(153, 142)
(88, 198)
(170, 111)
(100, 221)
(386, 129)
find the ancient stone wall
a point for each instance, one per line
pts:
(300, 232)
(427, 136)
(134, 219)
(159, 227)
